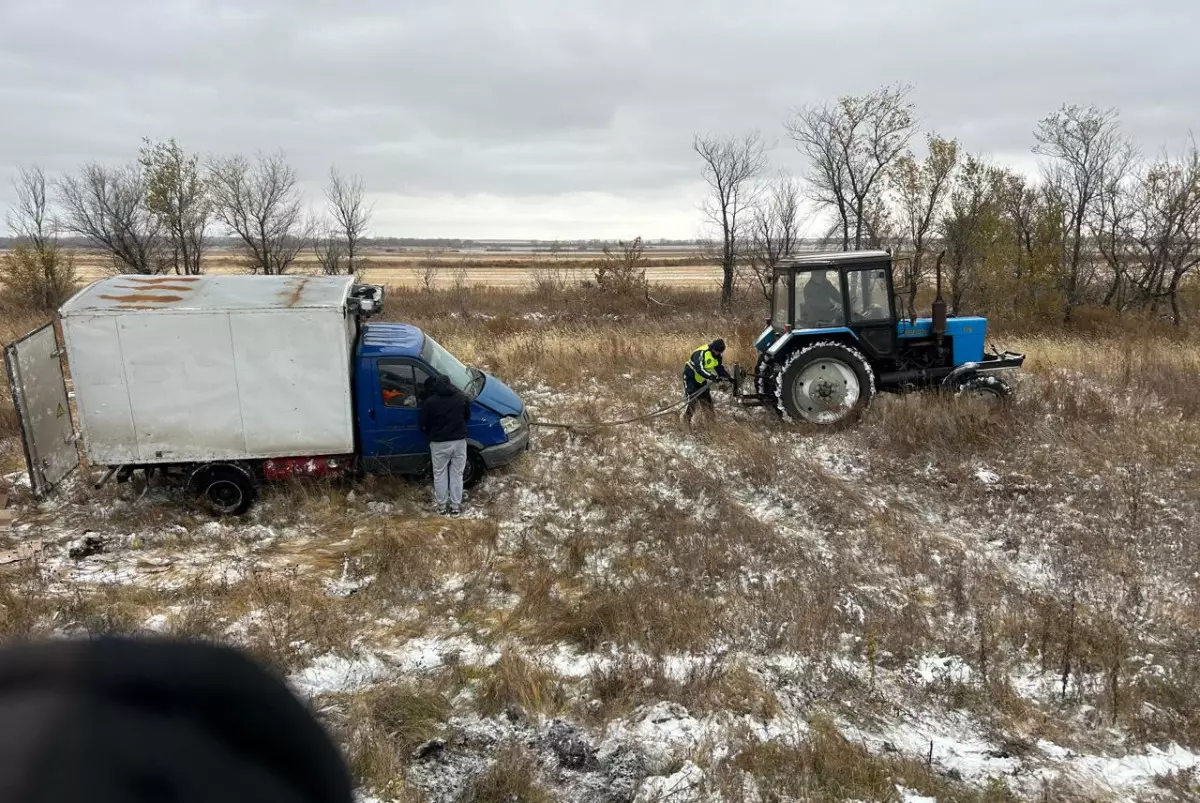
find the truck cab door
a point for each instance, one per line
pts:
(392, 440)
(35, 372)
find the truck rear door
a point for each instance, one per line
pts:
(40, 396)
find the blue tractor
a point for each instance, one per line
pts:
(834, 340)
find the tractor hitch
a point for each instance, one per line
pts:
(753, 399)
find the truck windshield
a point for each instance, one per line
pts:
(467, 379)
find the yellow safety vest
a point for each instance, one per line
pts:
(707, 361)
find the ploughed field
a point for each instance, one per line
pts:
(947, 602)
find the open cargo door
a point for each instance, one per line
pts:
(40, 395)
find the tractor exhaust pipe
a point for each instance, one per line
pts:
(939, 305)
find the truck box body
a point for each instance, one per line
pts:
(194, 369)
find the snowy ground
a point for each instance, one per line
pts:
(752, 613)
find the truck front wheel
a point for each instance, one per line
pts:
(226, 490)
(475, 468)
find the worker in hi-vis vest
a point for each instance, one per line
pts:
(703, 368)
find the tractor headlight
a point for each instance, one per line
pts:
(511, 424)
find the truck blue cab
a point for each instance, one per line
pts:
(393, 365)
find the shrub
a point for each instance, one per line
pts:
(36, 279)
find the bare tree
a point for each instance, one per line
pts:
(971, 228)
(1086, 153)
(177, 195)
(1166, 227)
(731, 165)
(351, 215)
(851, 144)
(107, 207)
(775, 229)
(330, 251)
(29, 219)
(260, 203)
(1019, 201)
(921, 190)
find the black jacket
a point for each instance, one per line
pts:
(124, 721)
(444, 415)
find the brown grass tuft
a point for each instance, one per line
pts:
(514, 682)
(513, 776)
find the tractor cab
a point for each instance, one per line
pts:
(834, 338)
(831, 293)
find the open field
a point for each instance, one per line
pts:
(946, 603)
(442, 270)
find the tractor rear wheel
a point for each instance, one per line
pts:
(986, 387)
(828, 384)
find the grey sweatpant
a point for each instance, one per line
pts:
(449, 462)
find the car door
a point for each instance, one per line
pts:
(396, 441)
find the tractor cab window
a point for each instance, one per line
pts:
(402, 384)
(819, 302)
(868, 295)
(779, 301)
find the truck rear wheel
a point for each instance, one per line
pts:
(828, 384)
(226, 490)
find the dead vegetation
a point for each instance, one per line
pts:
(1047, 551)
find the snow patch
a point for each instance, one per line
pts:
(335, 673)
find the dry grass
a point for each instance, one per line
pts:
(513, 776)
(705, 687)
(519, 686)
(825, 766)
(1055, 538)
(382, 727)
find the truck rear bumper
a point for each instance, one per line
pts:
(505, 453)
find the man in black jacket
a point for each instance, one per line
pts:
(444, 416)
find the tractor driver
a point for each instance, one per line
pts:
(822, 300)
(703, 367)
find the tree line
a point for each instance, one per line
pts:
(1099, 224)
(158, 213)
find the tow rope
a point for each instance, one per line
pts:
(634, 420)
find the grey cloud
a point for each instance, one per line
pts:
(540, 98)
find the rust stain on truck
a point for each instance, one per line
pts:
(170, 288)
(143, 298)
(153, 280)
(293, 298)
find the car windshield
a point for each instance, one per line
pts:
(464, 377)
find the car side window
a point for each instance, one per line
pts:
(868, 295)
(398, 384)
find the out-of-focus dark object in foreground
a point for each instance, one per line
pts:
(155, 720)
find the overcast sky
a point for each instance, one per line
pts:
(559, 118)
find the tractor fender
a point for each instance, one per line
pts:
(789, 342)
(960, 375)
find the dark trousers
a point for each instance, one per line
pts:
(690, 387)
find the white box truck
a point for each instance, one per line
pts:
(230, 381)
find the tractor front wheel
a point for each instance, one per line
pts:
(986, 387)
(828, 384)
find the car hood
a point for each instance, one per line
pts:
(499, 397)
